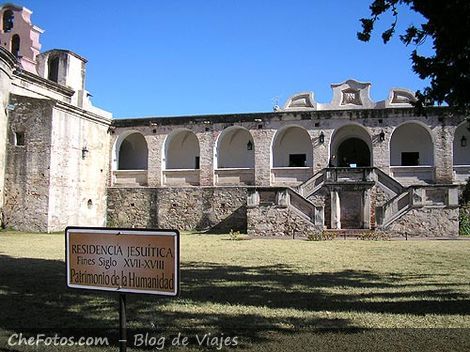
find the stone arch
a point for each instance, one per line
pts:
(461, 144)
(235, 148)
(351, 145)
(292, 147)
(411, 144)
(130, 151)
(181, 150)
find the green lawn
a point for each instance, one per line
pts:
(274, 295)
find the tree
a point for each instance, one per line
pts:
(447, 25)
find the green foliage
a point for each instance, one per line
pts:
(464, 221)
(321, 236)
(374, 236)
(447, 25)
(465, 198)
(234, 235)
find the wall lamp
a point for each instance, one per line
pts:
(321, 139)
(382, 136)
(85, 151)
(463, 141)
(249, 145)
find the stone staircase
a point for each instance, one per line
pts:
(402, 199)
(270, 206)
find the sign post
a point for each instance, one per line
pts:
(123, 261)
(122, 323)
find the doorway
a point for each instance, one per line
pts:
(352, 209)
(353, 152)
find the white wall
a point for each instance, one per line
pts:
(133, 153)
(411, 137)
(291, 140)
(182, 148)
(75, 180)
(462, 154)
(232, 150)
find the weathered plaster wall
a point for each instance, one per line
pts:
(27, 170)
(6, 68)
(203, 208)
(77, 180)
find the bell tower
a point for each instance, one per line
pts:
(19, 36)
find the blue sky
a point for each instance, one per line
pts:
(190, 57)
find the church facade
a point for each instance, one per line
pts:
(351, 164)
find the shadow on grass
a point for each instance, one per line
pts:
(33, 296)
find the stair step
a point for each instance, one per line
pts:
(348, 233)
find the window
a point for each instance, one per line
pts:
(8, 19)
(197, 163)
(53, 69)
(15, 45)
(297, 160)
(410, 158)
(19, 138)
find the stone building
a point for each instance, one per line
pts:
(349, 164)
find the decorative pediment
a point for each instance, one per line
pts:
(351, 94)
(399, 97)
(301, 101)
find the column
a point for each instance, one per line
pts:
(335, 210)
(155, 159)
(206, 146)
(263, 139)
(443, 150)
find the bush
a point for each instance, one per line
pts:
(234, 235)
(464, 211)
(464, 221)
(465, 198)
(321, 236)
(373, 236)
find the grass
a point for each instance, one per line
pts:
(274, 295)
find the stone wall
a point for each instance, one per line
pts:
(275, 221)
(28, 166)
(427, 222)
(218, 209)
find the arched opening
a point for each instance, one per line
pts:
(351, 146)
(353, 152)
(235, 149)
(53, 69)
(461, 152)
(411, 145)
(130, 162)
(15, 45)
(8, 20)
(235, 157)
(181, 160)
(412, 154)
(292, 156)
(292, 147)
(133, 153)
(182, 150)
